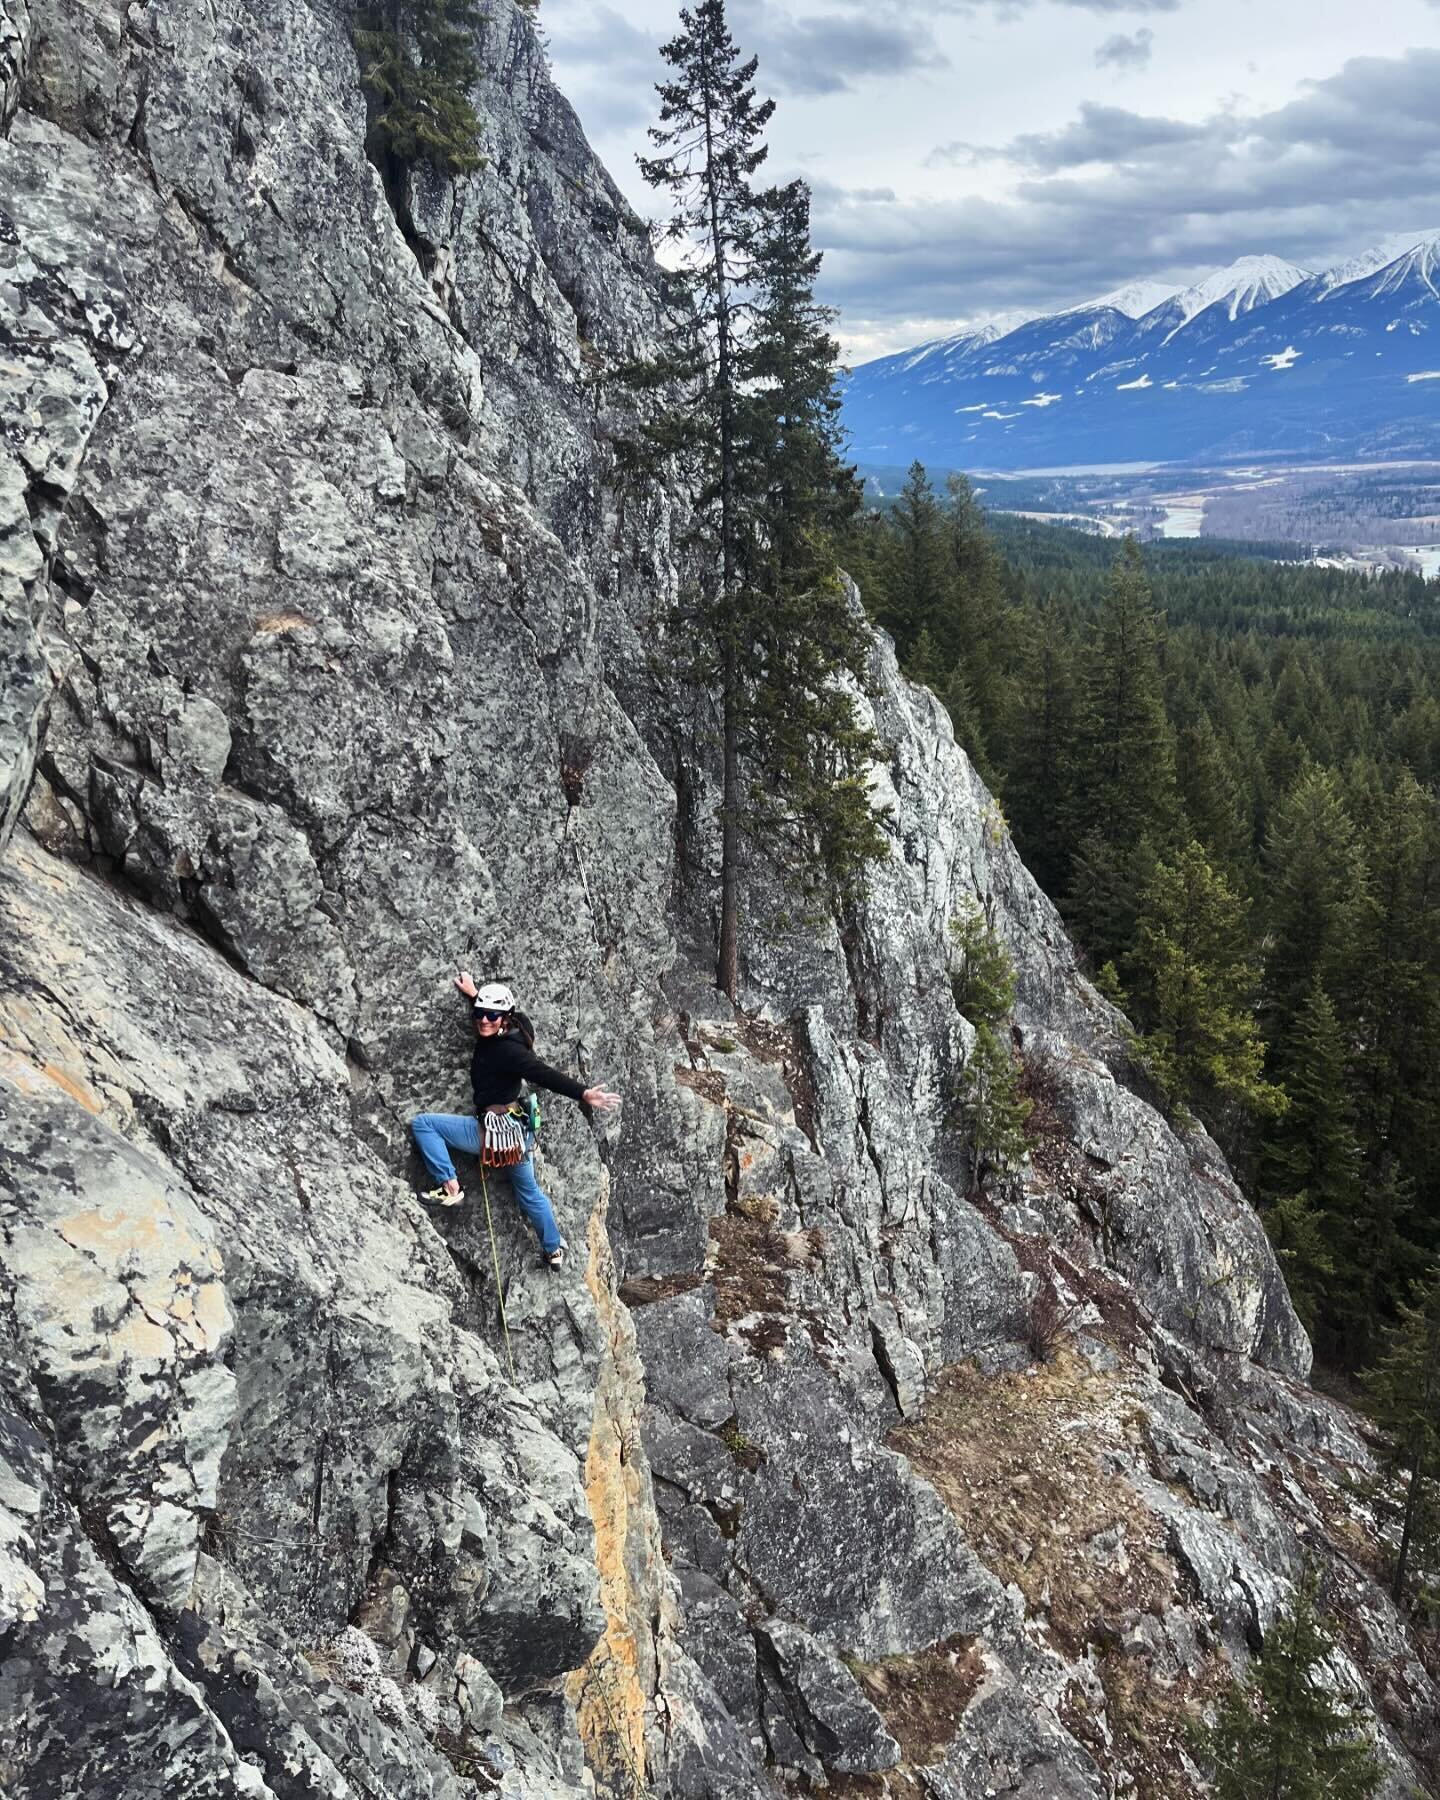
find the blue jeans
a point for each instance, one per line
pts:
(435, 1131)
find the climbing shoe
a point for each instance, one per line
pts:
(556, 1258)
(439, 1197)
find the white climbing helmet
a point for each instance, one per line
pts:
(494, 997)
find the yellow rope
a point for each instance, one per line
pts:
(495, 1258)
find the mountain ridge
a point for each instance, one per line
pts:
(1209, 358)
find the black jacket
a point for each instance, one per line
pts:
(500, 1064)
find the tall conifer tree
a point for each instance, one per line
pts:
(710, 143)
(913, 584)
(1213, 795)
(983, 648)
(1318, 900)
(1126, 800)
(1131, 790)
(1193, 987)
(1040, 790)
(803, 744)
(1310, 1172)
(1312, 1148)
(1399, 1011)
(1405, 1398)
(747, 386)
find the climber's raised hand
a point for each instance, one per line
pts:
(600, 1099)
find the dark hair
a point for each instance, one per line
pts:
(519, 1026)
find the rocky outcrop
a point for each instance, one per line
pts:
(328, 665)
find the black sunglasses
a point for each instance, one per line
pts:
(488, 1012)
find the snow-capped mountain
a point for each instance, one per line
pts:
(1356, 268)
(944, 351)
(1417, 270)
(1258, 358)
(1250, 281)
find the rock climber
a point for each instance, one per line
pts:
(502, 1133)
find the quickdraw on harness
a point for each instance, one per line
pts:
(504, 1140)
(504, 1133)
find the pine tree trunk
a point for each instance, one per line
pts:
(727, 972)
(1412, 1505)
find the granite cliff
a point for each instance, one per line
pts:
(326, 665)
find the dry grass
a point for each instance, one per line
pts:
(1014, 1457)
(1018, 1459)
(899, 1783)
(323, 1660)
(922, 1697)
(1047, 1324)
(1149, 1723)
(708, 1083)
(751, 1290)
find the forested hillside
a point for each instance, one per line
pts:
(1224, 770)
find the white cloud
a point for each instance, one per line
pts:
(1115, 195)
(965, 164)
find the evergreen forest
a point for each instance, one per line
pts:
(1224, 770)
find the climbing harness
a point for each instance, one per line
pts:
(495, 1258)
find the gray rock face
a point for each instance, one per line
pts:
(325, 667)
(1006, 1749)
(113, 1282)
(834, 1719)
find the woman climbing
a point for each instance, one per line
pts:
(502, 1134)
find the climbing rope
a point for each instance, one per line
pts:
(495, 1258)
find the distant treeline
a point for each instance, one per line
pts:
(1225, 771)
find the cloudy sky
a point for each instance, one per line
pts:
(974, 157)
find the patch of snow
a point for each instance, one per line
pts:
(1140, 381)
(1283, 359)
(1237, 384)
(959, 343)
(992, 414)
(1085, 521)
(1043, 400)
(1425, 375)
